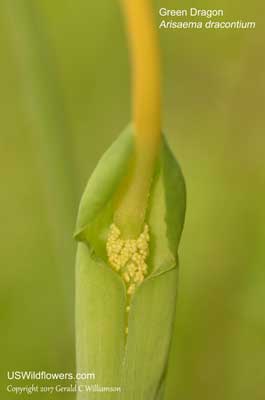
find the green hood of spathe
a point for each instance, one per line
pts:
(166, 207)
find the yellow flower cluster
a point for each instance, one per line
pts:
(128, 256)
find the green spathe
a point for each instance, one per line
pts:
(138, 365)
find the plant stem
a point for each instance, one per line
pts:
(132, 204)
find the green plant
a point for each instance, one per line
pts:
(128, 230)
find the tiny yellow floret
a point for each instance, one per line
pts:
(128, 257)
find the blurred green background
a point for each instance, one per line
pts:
(65, 95)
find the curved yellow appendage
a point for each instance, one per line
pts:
(145, 59)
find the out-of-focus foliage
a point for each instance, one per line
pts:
(214, 89)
